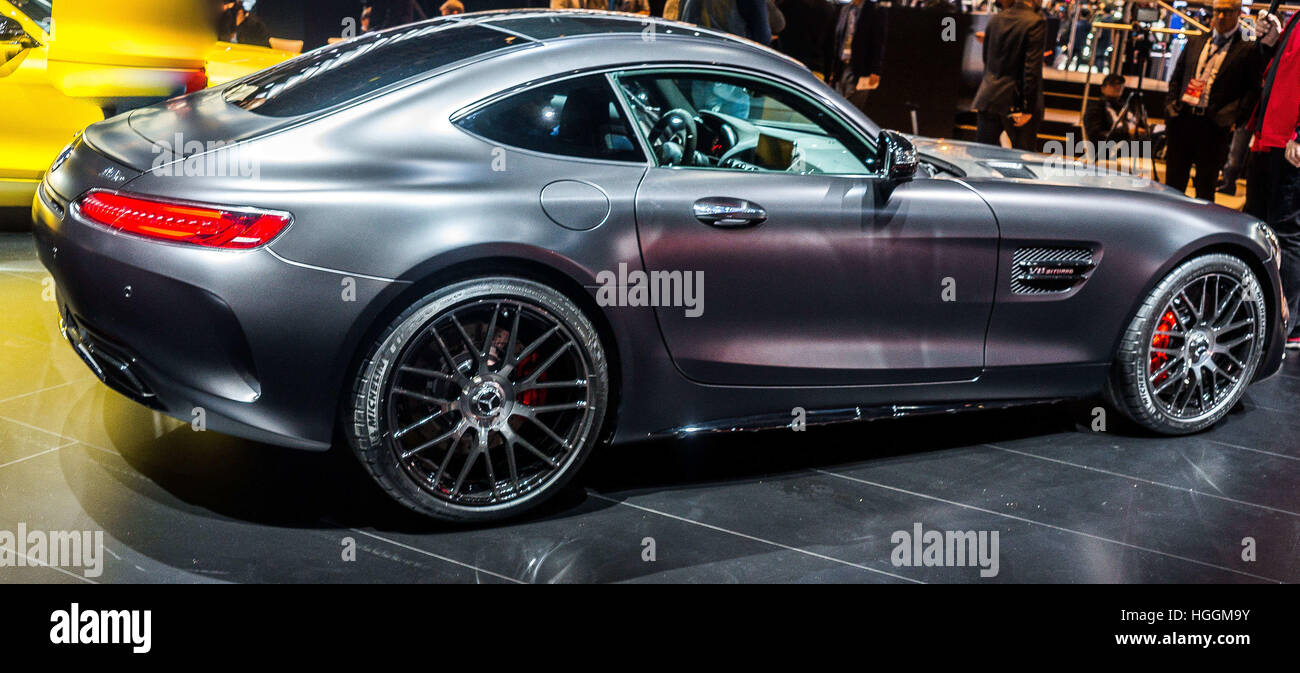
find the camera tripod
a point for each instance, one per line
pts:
(1141, 36)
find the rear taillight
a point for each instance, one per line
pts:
(196, 81)
(196, 224)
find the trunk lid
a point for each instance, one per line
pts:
(149, 137)
(81, 166)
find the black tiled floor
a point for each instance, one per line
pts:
(1069, 504)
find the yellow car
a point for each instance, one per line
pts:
(105, 57)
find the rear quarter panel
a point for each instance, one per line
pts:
(389, 193)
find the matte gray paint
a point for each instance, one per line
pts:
(575, 205)
(832, 303)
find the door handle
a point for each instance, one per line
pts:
(722, 211)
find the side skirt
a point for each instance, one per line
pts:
(777, 421)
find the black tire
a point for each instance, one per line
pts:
(475, 382)
(1169, 375)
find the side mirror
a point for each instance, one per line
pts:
(14, 41)
(11, 30)
(898, 156)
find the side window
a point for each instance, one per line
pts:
(575, 117)
(713, 120)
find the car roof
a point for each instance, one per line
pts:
(381, 61)
(546, 26)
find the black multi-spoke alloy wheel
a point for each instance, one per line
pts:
(1193, 346)
(481, 400)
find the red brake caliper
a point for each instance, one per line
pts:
(534, 397)
(1167, 322)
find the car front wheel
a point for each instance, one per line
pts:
(1191, 350)
(481, 400)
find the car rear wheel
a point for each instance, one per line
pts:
(1191, 350)
(481, 400)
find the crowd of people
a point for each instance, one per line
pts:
(843, 41)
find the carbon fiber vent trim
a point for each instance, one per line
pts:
(1049, 270)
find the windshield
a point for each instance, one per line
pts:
(37, 10)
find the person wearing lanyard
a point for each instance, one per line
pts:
(1213, 89)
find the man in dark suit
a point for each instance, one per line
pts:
(1010, 97)
(391, 13)
(242, 26)
(746, 18)
(808, 27)
(855, 52)
(1213, 89)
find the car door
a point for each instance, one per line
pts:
(815, 270)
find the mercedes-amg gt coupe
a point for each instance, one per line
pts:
(477, 248)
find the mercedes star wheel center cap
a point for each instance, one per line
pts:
(487, 400)
(1198, 345)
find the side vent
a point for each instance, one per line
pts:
(1009, 169)
(1049, 270)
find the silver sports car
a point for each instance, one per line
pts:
(478, 247)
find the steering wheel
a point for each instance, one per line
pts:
(674, 137)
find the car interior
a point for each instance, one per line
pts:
(737, 124)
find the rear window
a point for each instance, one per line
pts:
(576, 117)
(344, 72)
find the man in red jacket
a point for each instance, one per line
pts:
(1273, 177)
